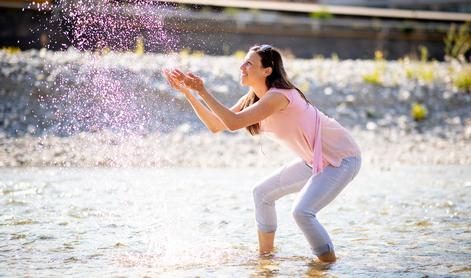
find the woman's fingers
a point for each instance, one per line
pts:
(192, 75)
(177, 71)
(179, 79)
(182, 81)
(168, 78)
(182, 78)
(176, 79)
(178, 74)
(172, 82)
(165, 72)
(197, 82)
(193, 78)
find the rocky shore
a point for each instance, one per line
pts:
(74, 109)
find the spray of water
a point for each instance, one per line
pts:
(98, 90)
(96, 84)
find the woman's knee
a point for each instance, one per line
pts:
(258, 194)
(301, 214)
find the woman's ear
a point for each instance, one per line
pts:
(268, 71)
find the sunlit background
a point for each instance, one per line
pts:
(106, 171)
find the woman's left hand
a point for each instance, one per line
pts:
(190, 80)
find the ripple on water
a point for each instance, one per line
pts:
(24, 222)
(71, 260)
(18, 236)
(119, 245)
(463, 269)
(80, 213)
(46, 237)
(69, 246)
(423, 223)
(16, 202)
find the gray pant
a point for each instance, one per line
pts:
(315, 193)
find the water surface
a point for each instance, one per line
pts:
(404, 221)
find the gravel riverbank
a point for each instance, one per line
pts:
(84, 110)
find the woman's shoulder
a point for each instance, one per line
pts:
(274, 89)
(288, 93)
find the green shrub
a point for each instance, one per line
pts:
(425, 74)
(185, 52)
(335, 57)
(323, 13)
(462, 80)
(423, 54)
(104, 51)
(11, 50)
(197, 54)
(231, 11)
(458, 42)
(139, 48)
(239, 54)
(374, 78)
(422, 70)
(418, 112)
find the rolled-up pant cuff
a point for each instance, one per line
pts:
(323, 249)
(266, 228)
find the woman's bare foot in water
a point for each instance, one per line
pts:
(327, 257)
(266, 243)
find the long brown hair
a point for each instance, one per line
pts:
(278, 78)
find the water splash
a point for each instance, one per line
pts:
(117, 25)
(103, 88)
(89, 94)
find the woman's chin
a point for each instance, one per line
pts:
(243, 82)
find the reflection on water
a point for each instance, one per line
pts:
(407, 221)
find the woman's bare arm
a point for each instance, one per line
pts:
(210, 120)
(208, 117)
(254, 114)
(263, 108)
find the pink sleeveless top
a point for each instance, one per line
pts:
(316, 138)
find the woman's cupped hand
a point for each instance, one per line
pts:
(183, 82)
(174, 82)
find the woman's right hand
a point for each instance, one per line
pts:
(175, 84)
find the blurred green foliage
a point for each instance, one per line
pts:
(239, 54)
(421, 71)
(462, 79)
(231, 11)
(139, 48)
(423, 54)
(105, 50)
(335, 57)
(458, 41)
(197, 54)
(255, 12)
(186, 52)
(418, 112)
(323, 13)
(376, 76)
(11, 50)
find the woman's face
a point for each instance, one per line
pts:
(251, 71)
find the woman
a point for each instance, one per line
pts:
(329, 157)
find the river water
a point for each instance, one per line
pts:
(398, 222)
